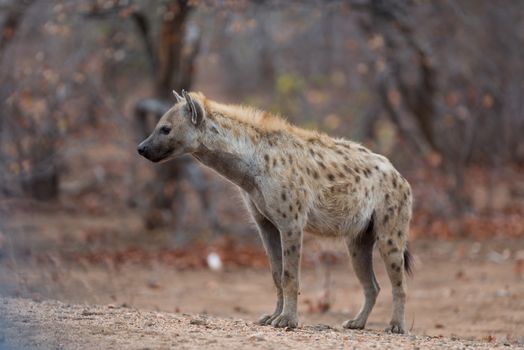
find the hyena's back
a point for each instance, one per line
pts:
(347, 186)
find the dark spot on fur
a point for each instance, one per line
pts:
(394, 250)
(289, 233)
(393, 265)
(397, 269)
(283, 161)
(296, 216)
(286, 274)
(266, 157)
(394, 181)
(376, 167)
(339, 152)
(284, 196)
(321, 164)
(357, 178)
(284, 215)
(290, 208)
(386, 218)
(274, 162)
(293, 248)
(390, 241)
(399, 283)
(315, 174)
(386, 196)
(331, 177)
(399, 233)
(312, 152)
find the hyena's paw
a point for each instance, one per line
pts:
(395, 327)
(285, 321)
(265, 320)
(354, 324)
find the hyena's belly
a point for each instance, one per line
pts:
(340, 217)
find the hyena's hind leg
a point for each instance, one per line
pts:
(272, 243)
(361, 253)
(392, 244)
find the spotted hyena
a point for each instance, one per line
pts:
(294, 180)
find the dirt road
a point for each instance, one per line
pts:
(471, 290)
(454, 293)
(55, 325)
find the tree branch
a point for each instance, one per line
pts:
(142, 25)
(13, 19)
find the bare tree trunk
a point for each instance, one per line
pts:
(171, 60)
(170, 48)
(172, 67)
(42, 180)
(416, 96)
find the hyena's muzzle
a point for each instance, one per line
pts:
(153, 149)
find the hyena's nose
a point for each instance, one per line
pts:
(141, 149)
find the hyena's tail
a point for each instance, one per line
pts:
(408, 261)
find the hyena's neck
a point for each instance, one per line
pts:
(228, 147)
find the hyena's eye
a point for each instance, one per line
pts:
(165, 130)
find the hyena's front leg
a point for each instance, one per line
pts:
(272, 243)
(291, 236)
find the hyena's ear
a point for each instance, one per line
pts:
(177, 97)
(195, 109)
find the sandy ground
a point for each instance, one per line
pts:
(461, 290)
(467, 292)
(55, 325)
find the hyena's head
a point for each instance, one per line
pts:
(177, 132)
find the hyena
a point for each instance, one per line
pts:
(294, 180)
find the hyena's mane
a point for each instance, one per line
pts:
(263, 121)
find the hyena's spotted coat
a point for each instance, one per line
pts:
(293, 181)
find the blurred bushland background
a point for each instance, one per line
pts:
(436, 86)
